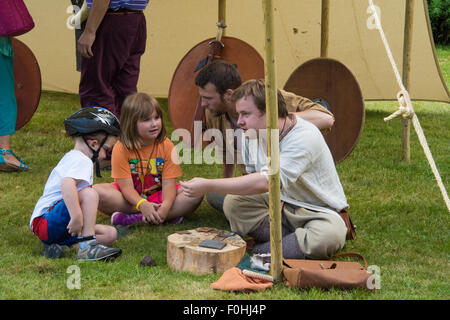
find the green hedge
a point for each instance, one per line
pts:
(439, 11)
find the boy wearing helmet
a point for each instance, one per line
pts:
(66, 212)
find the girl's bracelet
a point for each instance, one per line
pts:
(139, 203)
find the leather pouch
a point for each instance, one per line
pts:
(326, 274)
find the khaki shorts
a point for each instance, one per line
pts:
(320, 235)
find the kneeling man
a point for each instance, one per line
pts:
(311, 192)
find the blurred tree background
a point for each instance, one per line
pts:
(439, 11)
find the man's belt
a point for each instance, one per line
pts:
(122, 11)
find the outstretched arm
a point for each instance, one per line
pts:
(254, 183)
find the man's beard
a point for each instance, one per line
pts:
(217, 114)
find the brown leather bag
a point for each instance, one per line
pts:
(326, 274)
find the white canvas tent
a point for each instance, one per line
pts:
(176, 26)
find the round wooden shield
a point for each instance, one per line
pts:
(28, 82)
(331, 84)
(183, 93)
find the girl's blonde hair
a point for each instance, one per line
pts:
(138, 107)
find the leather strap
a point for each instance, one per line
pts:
(291, 125)
(352, 255)
(351, 228)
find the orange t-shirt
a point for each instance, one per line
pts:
(148, 167)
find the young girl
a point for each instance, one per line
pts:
(144, 169)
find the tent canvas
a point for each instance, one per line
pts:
(174, 27)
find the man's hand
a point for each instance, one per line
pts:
(98, 11)
(85, 44)
(196, 187)
(150, 212)
(75, 225)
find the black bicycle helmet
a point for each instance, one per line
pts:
(90, 120)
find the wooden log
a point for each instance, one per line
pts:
(184, 253)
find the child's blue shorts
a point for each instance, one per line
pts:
(52, 226)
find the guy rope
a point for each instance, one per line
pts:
(406, 109)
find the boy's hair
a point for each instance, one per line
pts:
(137, 107)
(257, 90)
(221, 74)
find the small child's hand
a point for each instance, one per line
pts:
(163, 211)
(75, 226)
(149, 212)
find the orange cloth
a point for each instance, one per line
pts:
(148, 167)
(234, 280)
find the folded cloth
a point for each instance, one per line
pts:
(234, 280)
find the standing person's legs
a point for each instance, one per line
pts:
(97, 72)
(8, 109)
(115, 40)
(126, 80)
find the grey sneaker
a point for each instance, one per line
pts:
(54, 250)
(96, 251)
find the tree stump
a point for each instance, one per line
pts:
(185, 254)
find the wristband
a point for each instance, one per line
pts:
(139, 203)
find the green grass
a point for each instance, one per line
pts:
(400, 213)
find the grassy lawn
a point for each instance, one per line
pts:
(400, 213)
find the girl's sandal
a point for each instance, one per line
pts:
(9, 167)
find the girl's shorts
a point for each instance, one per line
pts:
(52, 226)
(155, 197)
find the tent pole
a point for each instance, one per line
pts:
(407, 42)
(273, 151)
(324, 28)
(222, 13)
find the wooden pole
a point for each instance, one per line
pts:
(222, 14)
(407, 42)
(273, 151)
(324, 28)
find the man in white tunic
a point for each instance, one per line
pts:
(311, 192)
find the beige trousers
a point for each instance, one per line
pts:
(320, 235)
